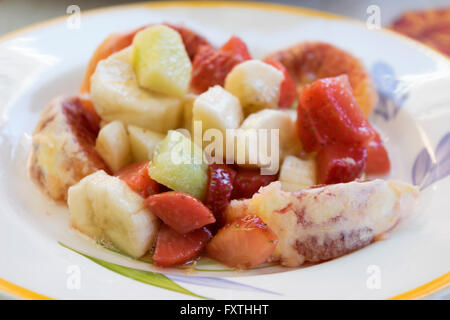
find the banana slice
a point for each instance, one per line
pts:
(63, 149)
(116, 95)
(104, 208)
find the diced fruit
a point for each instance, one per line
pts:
(328, 112)
(220, 187)
(113, 145)
(188, 106)
(211, 66)
(173, 248)
(137, 178)
(377, 157)
(178, 164)
(256, 84)
(248, 182)
(118, 41)
(297, 174)
(245, 243)
(180, 211)
(323, 223)
(117, 96)
(63, 150)
(192, 41)
(288, 141)
(160, 61)
(217, 109)
(338, 163)
(288, 89)
(143, 142)
(91, 115)
(113, 43)
(237, 47)
(106, 209)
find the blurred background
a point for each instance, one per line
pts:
(424, 23)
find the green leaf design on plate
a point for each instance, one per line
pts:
(152, 278)
(204, 262)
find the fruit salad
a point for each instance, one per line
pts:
(181, 149)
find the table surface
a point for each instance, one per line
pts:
(15, 14)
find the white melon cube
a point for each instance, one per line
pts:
(113, 145)
(143, 142)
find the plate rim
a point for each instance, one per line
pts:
(423, 291)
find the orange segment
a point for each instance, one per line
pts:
(309, 61)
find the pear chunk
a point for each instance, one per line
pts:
(161, 62)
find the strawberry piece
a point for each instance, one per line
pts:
(237, 47)
(245, 243)
(211, 66)
(331, 114)
(248, 182)
(377, 157)
(288, 89)
(179, 210)
(338, 163)
(220, 186)
(173, 248)
(137, 178)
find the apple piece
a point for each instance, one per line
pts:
(179, 164)
(104, 208)
(288, 142)
(297, 174)
(217, 109)
(256, 84)
(160, 61)
(143, 142)
(116, 95)
(113, 145)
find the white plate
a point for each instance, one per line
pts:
(41, 62)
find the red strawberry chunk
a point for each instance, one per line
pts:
(377, 157)
(340, 163)
(180, 211)
(248, 182)
(220, 186)
(245, 243)
(331, 114)
(137, 178)
(237, 47)
(288, 89)
(173, 248)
